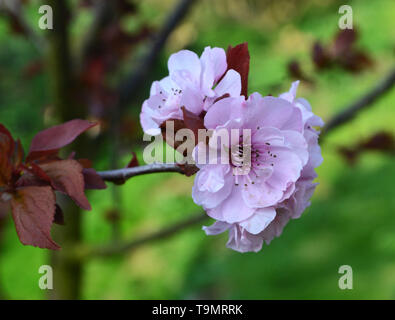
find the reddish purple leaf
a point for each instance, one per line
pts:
(238, 59)
(193, 122)
(66, 176)
(134, 162)
(33, 210)
(170, 140)
(381, 141)
(54, 138)
(92, 180)
(344, 41)
(355, 61)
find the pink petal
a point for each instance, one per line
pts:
(277, 112)
(214, 65)
(186, 65)
(212, 186)
(148, 124)
(259, 220)
(223, 111)
(216, 228)
(230, 84)
(242, 241)
(192, 100)
(260, 195)
(291, 94)
(232, 209)
(275, 228)
(215, 60)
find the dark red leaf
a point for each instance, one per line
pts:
(92, 180)
(30, 179)
(134, 162)
(355, 61)
(38, 172)
(342, 52)
(42, 156)
(66, 176)
(382, 141)
(343, 42)
(54, 138)
(238, 59)
(33, 210)
(193, 122)
(167, 136)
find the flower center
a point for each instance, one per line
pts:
(252, 162)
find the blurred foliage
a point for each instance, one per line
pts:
(352, 217)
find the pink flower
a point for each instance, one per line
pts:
(284, 152)
(193, 82)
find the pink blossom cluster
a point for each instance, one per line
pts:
(281, 139)
(193, 82)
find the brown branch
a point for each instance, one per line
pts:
(128, 245)
(352, 110)
(121, 175)
(130, 85)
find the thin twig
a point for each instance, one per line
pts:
(128, 88)
(121, 175)
(352, 110)
(127, 246)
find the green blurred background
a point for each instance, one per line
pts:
(352, 217)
